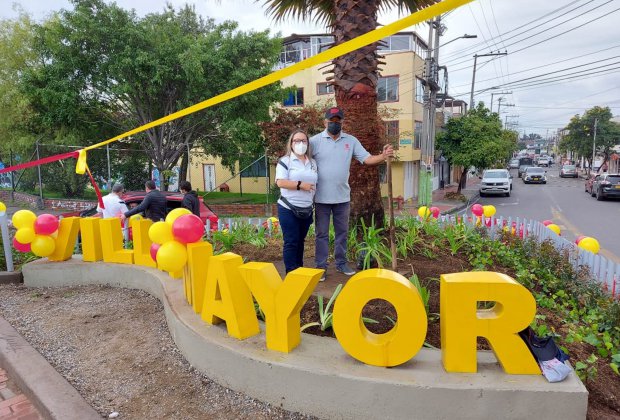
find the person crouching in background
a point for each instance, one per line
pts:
(296, 176)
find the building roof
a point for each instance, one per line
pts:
(297, 37)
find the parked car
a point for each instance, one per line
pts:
(534, 174)
(495, 181)
(514, 164)
(568, 171)
(173, 201)
(523, 167)
(605, 185)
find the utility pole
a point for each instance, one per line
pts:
(473, 77)
(594, 145)
(424, 189)
(499, 106)
(497, 93)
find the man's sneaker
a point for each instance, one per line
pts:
(345, 269)
(324, 276)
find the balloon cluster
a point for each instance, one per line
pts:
(487, 211)
(587, 243)
(553, 226)
(426, 212)
(170, 238)
(274, 223)
(35, 233)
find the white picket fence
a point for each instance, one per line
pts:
(603, 270)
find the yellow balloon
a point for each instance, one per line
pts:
(555, 228)
(24, 218)
(25, 235)
(590, 244)
(2, 208)
(175, 214)
(160, 232)
(424, 212)
(172, 256)
(43, 245)
(489, 210)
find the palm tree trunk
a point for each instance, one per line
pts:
(355, 81)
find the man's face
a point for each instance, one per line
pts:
(333, 119)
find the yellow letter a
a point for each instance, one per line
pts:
(227, 297)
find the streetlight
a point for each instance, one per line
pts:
(473, 77)
(466, 36)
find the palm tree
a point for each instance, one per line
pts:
(354, 78)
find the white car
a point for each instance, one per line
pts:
(496, 181)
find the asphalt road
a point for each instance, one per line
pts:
(564, 201)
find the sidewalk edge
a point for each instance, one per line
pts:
(48, 390)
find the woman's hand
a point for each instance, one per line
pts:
(306, 186)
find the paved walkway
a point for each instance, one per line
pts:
(13, 404)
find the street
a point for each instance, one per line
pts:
(564, 201)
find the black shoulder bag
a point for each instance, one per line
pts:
(299, 212)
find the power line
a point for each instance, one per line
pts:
(461, 51)
(547, 39)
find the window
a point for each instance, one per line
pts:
(417, 135)
(324, 88)
(391, 130)
(419, 90)
(295, 98)
(383, 173)
(396, 43)
(257, 169)
(320, 43)
(387, 89)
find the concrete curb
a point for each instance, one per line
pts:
(51, 394)
(8, 277)
(318, 377)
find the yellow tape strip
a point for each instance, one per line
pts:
(330, 54)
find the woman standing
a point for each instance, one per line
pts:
(296, 176)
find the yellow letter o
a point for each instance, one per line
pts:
(394, 347)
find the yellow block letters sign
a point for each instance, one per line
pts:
(91, 239)
(227, 297)
(112, 242)
(394, 347)
(198, 257)
(65, 241)
(142, 243)
(281, 301)
(462, 322)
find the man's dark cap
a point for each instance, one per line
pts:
(334, 112)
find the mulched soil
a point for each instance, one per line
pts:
(604, 388)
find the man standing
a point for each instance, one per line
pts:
(333, 151)
(154, 204)
(190, 198)
(113, 203)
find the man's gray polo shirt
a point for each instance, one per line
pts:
(333, 159)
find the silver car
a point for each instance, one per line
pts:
(496, 181)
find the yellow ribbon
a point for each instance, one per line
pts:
(336, 51)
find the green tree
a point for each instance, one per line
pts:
(580, 138)
(105, 68)
(355, 85)
(476, 139)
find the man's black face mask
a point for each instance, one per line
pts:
(334, 127)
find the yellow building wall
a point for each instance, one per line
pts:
(223, 175)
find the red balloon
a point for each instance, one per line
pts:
(188, 228)
(21, 247)
(46, 224)
(579, 238)
(547, 222)
(435, 212)
(154, 249)
(477, 210)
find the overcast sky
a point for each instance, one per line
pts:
(501, 25)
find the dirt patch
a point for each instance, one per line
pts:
(114, 347)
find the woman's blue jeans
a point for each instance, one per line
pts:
(294, 231)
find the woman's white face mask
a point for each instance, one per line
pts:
(300, 148)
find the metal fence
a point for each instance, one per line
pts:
(602, 270)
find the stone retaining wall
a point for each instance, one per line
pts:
(48, 203)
